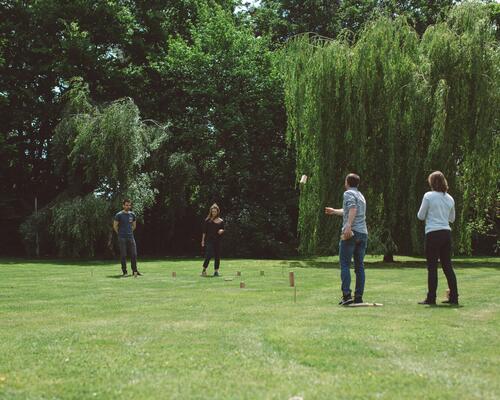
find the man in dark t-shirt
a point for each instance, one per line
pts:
(124, 225)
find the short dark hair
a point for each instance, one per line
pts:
(352, 180)
(127, 201)
(438, 182)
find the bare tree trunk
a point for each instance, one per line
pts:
(389, 257)
(110, 246)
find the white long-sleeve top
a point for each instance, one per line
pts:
(437, 210)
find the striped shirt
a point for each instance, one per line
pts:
(354, 199)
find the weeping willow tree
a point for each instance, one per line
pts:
(463, 74)
(393, 107)
(100, 155)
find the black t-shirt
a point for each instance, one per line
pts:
(210, 229)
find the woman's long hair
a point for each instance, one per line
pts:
(213, 206)
(438, 182)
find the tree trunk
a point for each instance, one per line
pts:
(389, 257)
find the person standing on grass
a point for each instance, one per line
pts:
(438, 210)
(124, 225)
(353, 239)
(213, 228)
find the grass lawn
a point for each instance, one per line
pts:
(73, 330)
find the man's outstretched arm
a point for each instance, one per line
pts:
(334, 211)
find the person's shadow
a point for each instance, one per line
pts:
(443, 306)
(118, 276)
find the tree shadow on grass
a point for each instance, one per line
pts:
(443, 307)
(60, 263)
(88, 262)
(458, 264)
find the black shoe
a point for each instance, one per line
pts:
(451, 302)
(346, 300)
(124, 274)
(136, 274)
(216, 273)
(428, 302)
(358, 300)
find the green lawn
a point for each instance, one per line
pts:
(72, 330)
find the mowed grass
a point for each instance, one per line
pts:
(72, 330)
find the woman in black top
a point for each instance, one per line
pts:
(213, 228)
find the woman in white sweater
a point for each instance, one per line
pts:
(438, 210)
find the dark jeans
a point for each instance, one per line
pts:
(353, 247)
(438, 247)
(128, 245)
(212, 250)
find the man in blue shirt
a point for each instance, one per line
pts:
(124, 225)
(353, 239)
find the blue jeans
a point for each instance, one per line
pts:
(354, 247)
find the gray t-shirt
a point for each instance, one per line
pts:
(125, 220)
(354, 198)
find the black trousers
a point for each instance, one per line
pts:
(438, 248)
(212, 250)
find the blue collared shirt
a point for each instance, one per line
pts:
(354, 199)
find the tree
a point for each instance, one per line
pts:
(393, 107)
(227, 143)
(127, 49)
(282, 19)
(99, 153)
(43, 44)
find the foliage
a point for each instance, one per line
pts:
(393, 107)
(36, 233)
(81, 225)
(100, 153)
(282, 19)
(228, 140)
(207, 70)
(192, 65)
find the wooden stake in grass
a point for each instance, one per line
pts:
(261, 273)
(291, 277)
(238, 273)
(174, 274)
(242, 285)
